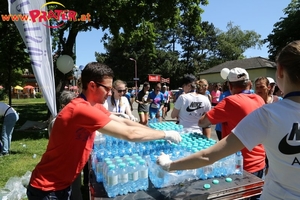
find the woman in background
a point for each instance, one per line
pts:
(117, 103)
(143, 105)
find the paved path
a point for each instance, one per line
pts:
(168, 118)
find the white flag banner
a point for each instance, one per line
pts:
(36, 36)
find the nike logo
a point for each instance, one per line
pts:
(194, 106)
(285, 148)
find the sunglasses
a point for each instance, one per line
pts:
(108, 89)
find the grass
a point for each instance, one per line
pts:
(26, 143)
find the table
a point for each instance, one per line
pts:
(242, 186)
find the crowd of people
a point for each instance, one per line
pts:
(260, 119)
(259, 124)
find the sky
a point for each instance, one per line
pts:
(253, 15)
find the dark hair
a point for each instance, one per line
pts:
(225, 86)
(95, 71)
(187, 79)
(146, 84)
(262, 78)
(289, 59)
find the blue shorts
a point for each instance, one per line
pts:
(152, 113)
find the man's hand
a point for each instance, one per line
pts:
(172, 136)
(164, 161)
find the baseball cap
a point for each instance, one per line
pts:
(271, 80)
(237, 74)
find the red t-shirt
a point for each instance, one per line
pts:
(70, 145)
(230, 111)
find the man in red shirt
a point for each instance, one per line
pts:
(73, 135)
(231, 110)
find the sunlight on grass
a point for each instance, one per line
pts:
(21, 158)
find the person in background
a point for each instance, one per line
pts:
(272, 90)
(263, 89)
(143, 105)
(272, 84)
(225, 93)
(231, 110)
(156, 100)
(117, 103)
(165, 92)
(133, 94)
(186, 82)
(9, 119)
(67, 153)
(278, 92)
(128, 95)
(215, 94)
(203, 84)
(189, 108)
(274, 125)
(65, 97)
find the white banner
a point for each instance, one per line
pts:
(36, 36)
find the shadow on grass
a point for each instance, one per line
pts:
(31, 112)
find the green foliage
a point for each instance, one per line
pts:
(38, 95)
(3, 96)
(233, 43)
(285, 30)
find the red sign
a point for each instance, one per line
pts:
(153, 78)
(165, 80)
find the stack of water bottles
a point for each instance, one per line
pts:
(122, 175)
(191, 143)
(109, 157)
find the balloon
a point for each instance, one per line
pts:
(224, 73)
(65, 63)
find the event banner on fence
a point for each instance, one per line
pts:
(36, 36)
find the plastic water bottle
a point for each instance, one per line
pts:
(99, 141)
(123, 178)
(105, 170)
(112, 182)
(143, 175)
(133, 176)
(239, 163)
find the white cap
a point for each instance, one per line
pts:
(237, 74)
(271, 80)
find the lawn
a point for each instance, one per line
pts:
(25, 143)
(27, 146)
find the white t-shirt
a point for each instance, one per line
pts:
(191, 107)
(118, 108)
(277, 127)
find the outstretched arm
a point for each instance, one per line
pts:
(138, 133)
(225, 147)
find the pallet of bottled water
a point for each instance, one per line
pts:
(109, 156)
(123, 175)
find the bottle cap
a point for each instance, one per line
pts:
(206, 186)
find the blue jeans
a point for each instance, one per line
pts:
(37, 194)
(7, 130)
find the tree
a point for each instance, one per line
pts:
(286, 30)
(234, 42)
(13, 57)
